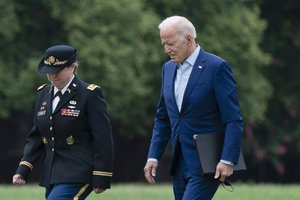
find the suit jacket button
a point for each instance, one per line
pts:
(52, 149)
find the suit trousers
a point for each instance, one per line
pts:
(188, 186)
(68, 191)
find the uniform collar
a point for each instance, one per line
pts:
(66, 86)
(193, 57)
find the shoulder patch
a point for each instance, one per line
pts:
(41, 87)
(92, 87)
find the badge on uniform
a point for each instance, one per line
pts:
(73, 103)
(69, 112)
(42, 110)
(45, 141)
(70, 140)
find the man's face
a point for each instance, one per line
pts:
(175, 45)
(62, 77)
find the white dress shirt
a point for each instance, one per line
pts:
(182, 76)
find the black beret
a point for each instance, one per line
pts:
(56, 58)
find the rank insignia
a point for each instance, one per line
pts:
(92, 87)
(45, 141)
(70, 140)
(41, 87)
(69, 112)
(42, 110)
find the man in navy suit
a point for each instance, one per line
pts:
(198, 96)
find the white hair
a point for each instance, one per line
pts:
(76, 67)
(181, 24)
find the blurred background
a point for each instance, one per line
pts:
(119, 49)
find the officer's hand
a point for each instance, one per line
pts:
(150, 171)
(18, 179)
(223, 171)
(98, 190)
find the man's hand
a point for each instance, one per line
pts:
(18, 179)
(150, 171)
(98, 190)
(223, 171)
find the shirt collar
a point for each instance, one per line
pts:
(192, 58)
(66, 86)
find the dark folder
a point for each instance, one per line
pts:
(210, 148)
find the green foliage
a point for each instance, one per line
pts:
(117, 51)
(235, 34)
(8, 20)
(280, 130)
(28, 29)
(9, 27)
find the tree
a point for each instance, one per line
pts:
(118, 53)
(122, 51)
(279, 140)
(28, 28)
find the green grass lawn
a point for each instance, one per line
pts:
(162, 192)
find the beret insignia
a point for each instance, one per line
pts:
(54, 61)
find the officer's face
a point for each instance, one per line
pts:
(61, 78)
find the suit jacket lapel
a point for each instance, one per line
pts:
(170, 76)
(195, 75)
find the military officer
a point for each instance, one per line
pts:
(71, 134)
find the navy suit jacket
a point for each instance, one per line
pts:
(210, 105)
